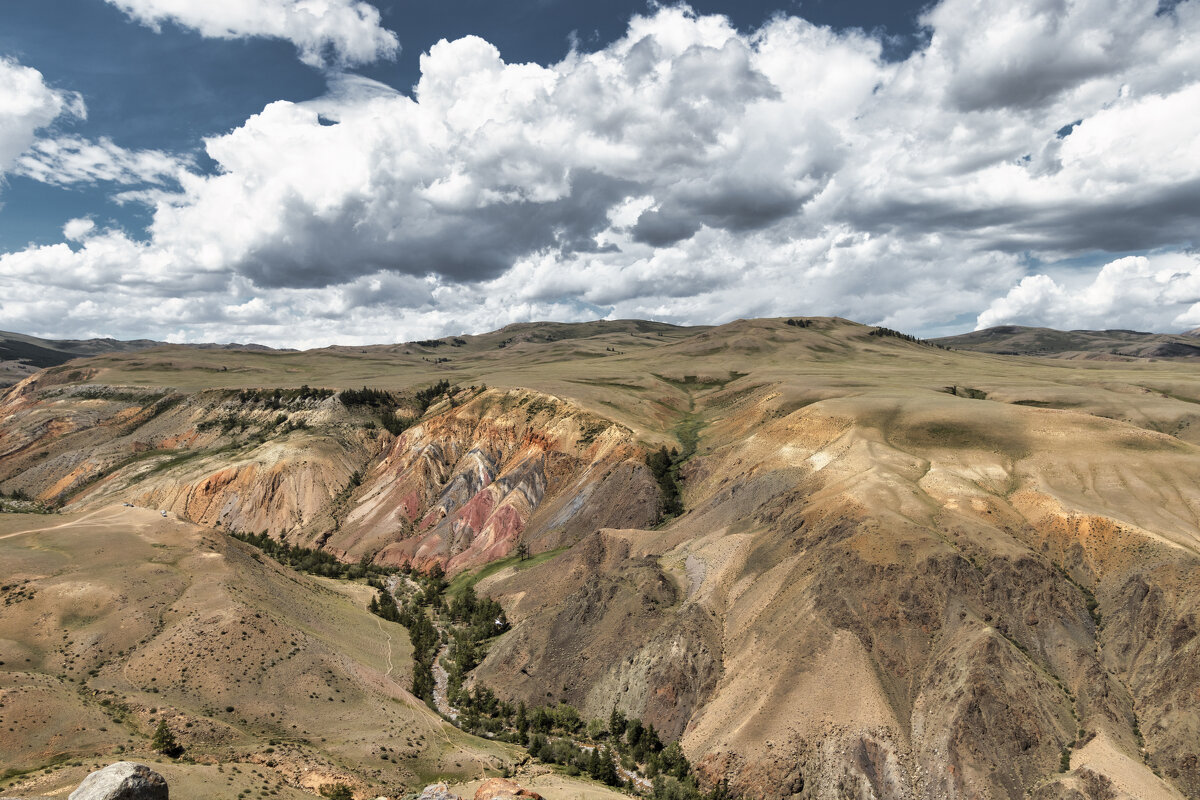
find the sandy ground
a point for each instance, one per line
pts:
(551, 785)
(1131, 777)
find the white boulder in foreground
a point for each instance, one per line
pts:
(124, 780)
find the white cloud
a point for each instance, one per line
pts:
(1135, 292)
(688, 172)
(27, 105)
(324, 31)
(491, 162)
(73, 159)
(76, 230)
(1028, 54)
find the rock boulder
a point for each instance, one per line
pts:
(504, 789)
(124, 780)
(438, 791)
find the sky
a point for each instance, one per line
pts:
(310, 172)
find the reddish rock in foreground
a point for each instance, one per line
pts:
(503, 789)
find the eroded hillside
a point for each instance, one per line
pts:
(118, 618)
(902, 571)
(459, 487)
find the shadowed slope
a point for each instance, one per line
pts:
(1113, 344)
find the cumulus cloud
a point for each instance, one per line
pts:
(340, 32)
(1026, 55)
(77, 229)
(490, 162)
(1135, 292)
(27, 104)
(688, 172)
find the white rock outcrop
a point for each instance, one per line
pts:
(124, 780)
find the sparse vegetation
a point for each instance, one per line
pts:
(337, 791)
(621, 753)
(394, 423)
(384, 404)
(114, 394)
(367, 396)
(414, 615)
(904, 337)
(19, 502)
(283, 398)
(590, 428)
(314, 562)
(965, 391)
(664, 466)
(783, 542)
(1089, 597)
(426, 396)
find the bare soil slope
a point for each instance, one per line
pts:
(118, 618)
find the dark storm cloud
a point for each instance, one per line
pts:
(469, 246)
(734, 208)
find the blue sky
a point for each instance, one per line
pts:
(897, 163)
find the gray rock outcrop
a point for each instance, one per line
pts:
(124, 780)
(438, 791)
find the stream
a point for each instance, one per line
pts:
(441, 678)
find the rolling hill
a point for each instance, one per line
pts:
(118, 618)
(21, 355)
(1113, 344)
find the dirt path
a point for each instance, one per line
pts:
(62, 525)
(389, 647)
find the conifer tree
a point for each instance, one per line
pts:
(616, 724)
(164, 740)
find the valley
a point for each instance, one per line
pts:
(862, 566)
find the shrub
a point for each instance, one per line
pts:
(337, 791)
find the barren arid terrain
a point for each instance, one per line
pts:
(894, 571)
(118, 617)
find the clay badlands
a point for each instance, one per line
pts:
(898, 570)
